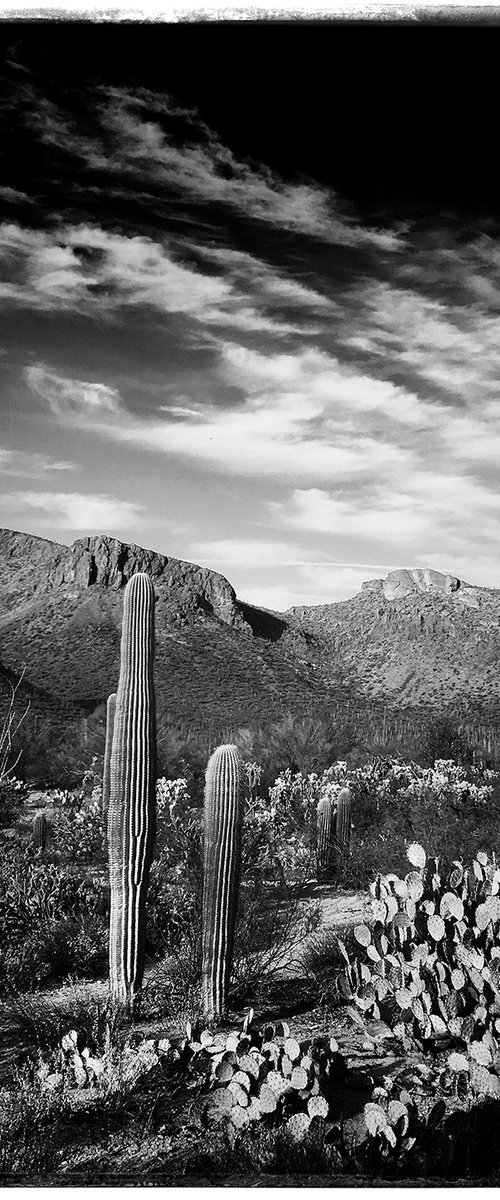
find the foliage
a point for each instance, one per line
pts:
(13, 794)
(79, 831)
(53, 921)
(396, 802)
(299, 744)
(12, 790)
(444, 738)
(29, 1125)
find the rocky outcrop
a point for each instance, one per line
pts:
(106, 563)
(401, 583)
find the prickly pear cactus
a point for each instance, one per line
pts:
(131, 816)
(429, 961)
(106, 774)
(325, 836)
(264, 1074)
(223, 815)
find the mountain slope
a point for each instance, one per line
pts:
(417, 638)
(414, 642)
(218, 661)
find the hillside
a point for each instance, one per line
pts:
(218, 663)
(417, 638)
(415, 641)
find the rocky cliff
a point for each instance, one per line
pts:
(31, 565)
(219, 662)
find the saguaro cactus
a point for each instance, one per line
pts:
(343, 828)
(223, 816)
(106, 772)
(325, 835)
(131, 816)
(40, 831)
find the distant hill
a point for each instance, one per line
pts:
(416, 638)
(415, 642)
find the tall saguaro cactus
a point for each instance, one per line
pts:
(131, 815)
(343, 827)
(223, 816)
(325, 834)
(106, 772)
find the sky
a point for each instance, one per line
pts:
(250, 297)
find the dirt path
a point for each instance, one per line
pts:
(337, 911)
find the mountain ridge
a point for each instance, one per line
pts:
(417, 640)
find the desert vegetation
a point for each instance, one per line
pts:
(269, 961)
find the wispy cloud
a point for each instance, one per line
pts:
(288, 424)
(94, 271)
(136, 140)
(71, 511)
(31, 463)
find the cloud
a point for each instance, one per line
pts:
(32, 463)
(73, 398)
(327, 585)
(98, 272)
(394, 520)
(278, 598)
(289, 424)
(14, 196)
(146, 139)
(245, 552)
(72, 511)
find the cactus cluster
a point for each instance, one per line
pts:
(131, 815)
(333, 833)
(265, 1074)
(430, 962)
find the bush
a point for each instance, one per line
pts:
(29, 1128)
(13, 793)
(53, 921)
(79, 831)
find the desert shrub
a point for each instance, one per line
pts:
(38, 1021)
(13, 794)
(302, 744)
(182, 753)
(53, 921)
(29, 1128)
(78, 830)
(444, 738)
(53, 950)
(396, 802)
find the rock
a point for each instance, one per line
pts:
(401, 583)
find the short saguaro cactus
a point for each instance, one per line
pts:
(325, 836)
(223, 815)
